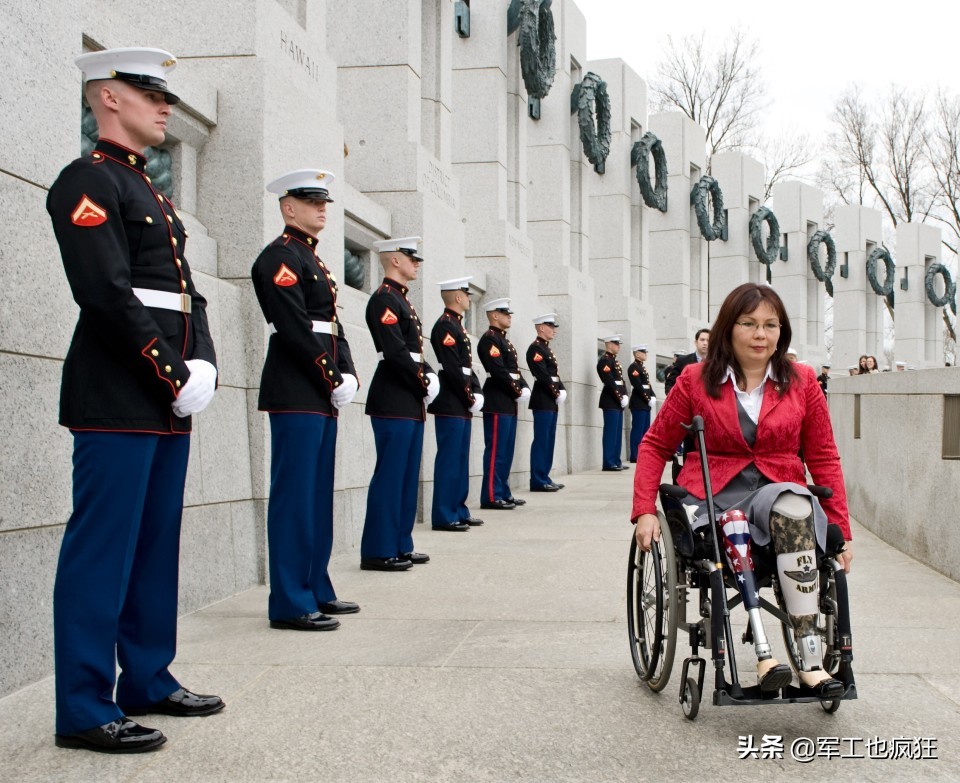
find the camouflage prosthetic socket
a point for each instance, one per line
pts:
(791, 529)
(735, 532)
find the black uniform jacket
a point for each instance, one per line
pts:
(642, 390)
(824, 380)
(125, 364)
(458, 381)
(295, 288)
(670, 377)
(546, 380)
(504, 383)
(400, 382)
(611, 374)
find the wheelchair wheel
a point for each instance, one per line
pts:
(831, 707)
(690, 699)
(652, 609)
(826, 627)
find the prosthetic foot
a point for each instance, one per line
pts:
(791, 528)
(735, 530)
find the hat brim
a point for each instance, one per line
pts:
(309, 194)
(410, 254)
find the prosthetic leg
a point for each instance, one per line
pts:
(736, 544)
(791, 528)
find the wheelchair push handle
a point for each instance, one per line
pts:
(695, 425)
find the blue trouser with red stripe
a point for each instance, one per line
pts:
(451, 470)
(639, 424)
(612, 437)
(541, 450)
(500, 438)
(392, 494)
(303, 450)
(115, 595)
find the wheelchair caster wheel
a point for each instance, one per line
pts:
(690, 699)
(831, 707)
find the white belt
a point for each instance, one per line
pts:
(619, 383)
(514, 375)
(555, 379)
(467, 370)
(320, 327)
(165, 300)
(417, 357)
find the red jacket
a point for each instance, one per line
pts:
(788, 423)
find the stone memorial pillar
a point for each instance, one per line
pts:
(857, 310)
(919, 324)
(618, 218)
(799, 209)
(678, 253)
(734, 262)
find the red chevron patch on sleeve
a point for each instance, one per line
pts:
(635, 373)
(607, 368)
(449, 341)
(537, 357)
(389, 318)
(494, 352)
(88, 213)
(285, 276)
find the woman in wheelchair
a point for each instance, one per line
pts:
(760, 412)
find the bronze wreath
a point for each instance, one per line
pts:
(595, 136)
(771, 252)
(825, 276)
(654, 196)
(950, 288)
(538, 45)
(881, 254)
(698, 198)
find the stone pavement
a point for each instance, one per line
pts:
(506, 659)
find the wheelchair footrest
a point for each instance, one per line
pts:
(792, 694)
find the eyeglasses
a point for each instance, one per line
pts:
(770, 327)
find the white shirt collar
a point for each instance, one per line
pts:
(732, 376)
(751, 401)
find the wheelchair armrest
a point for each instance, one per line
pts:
(673, 490)
(824, 493)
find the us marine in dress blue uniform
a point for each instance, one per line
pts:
(141, 361)
(640, 396)
(503, 387)
(453, 410)
(307, 376)
(547, 395)
(402, 383)
(613, 399)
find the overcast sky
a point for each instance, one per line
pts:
(810, 50)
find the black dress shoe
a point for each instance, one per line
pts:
(384, 564)
(117, 736)
(501, 505)
(458, 527)
(182, 704)
(559, 486)
(338, 607)
(517, 501)
(307, 622)
(830, 688)
(472, 521)
(417, 558)
(617, 470)
(545, 488)
(777, 677)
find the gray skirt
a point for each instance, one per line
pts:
(756, 505)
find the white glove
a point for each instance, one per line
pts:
(433, 387)
(524, 395)
(624, 401)
(477, 403)
(343, 395)
(563, 397)
(198, 391)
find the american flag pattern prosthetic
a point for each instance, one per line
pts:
(736, 544)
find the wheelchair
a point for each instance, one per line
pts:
(686, 565)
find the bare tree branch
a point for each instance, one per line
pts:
(719, 89)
